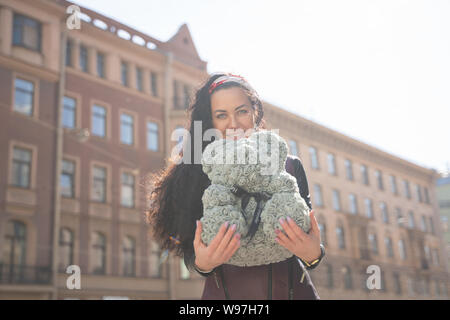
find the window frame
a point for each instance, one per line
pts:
(16, 25)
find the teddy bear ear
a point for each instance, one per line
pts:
(283, 148)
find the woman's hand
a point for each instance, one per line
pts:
(219, 251)
(304, 245)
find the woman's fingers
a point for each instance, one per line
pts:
(198, 232)
(296, 229)
(225, 240)
(284, 239)
(232, 247)
(218, 238)
(288, 229)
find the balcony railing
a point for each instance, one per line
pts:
(21, 274)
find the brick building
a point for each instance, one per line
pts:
(70, 177)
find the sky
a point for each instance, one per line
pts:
(377, 71)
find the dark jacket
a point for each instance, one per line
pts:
(284, 280)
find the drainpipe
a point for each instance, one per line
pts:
(166, 109)
(58, 160)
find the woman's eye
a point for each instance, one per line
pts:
(243, 111)
(221, 116)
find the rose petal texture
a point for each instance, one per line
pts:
(256, 164)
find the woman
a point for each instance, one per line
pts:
(227, 103)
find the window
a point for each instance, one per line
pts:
(314, 158)
(411, 222)
(402, 249)
(389, 249)
(427, 196)
(430, 221)
(336, 200)
(373, 243)
(423, 224)
(407, 191)
(69, 113)
(393, 184)
(323, 233)
(152, 136)
(99, 184)
(340, 237)
(129, 257)
(124, 74)
(23, 96)
(139, 85)
(187, 96)
(127, 191)
(353, 204)
(427, 251)
(369, 207)
(419, 193)
(293, 147)
(365, 174)
(435, 254)
(99, 253)
(184, 271)
(67, 179)
(400, 218)
(14, 247)
(330, 276)
(98, 121)
(180, 132)
(379, 177)
(384, 212)
(331, 164)
(21, 167)
(126, 129)
(100, 65)
(155, 262)
(154, 83)
(349, 169)
(318, 200)
(176, 99)
(397, 283)
(347, 278)
(83, 58)
(27, 32)
(66, 245)
(69, 49)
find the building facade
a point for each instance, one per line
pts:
(443, 196)
(87, 113)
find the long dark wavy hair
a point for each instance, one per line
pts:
(176, 191)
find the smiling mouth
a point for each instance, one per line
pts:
(234, 136)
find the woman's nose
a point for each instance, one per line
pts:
(233, 123)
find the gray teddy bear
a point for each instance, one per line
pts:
(251, 188)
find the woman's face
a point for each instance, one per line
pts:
(232, 109)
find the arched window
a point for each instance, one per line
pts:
(348, 284)
(129, 257)
(373, 241)
(99, 253)
(184, 271)
(15, 243)
(330, 283)
(340, 237)
(14, 250)
(155, 263)
(323, 231)
(66, 243)
(402, 249)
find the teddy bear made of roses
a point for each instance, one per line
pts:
(255, 164)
